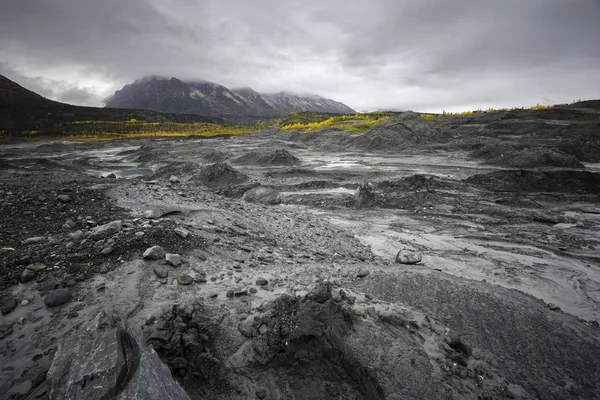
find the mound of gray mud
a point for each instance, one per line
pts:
(538, 157)
(279, 157)
(219, 174)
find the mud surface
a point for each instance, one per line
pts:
(291, 291)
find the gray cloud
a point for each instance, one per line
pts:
(403, 54)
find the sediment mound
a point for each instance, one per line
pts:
(280, 157)
(397, 133)
(538, 181)
(219, 174)
(538, 157)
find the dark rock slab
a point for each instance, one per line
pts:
(103, 359)
(57, 297)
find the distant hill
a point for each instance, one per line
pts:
(22, 110)
(211, 99)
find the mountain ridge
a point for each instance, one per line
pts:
(213, 99)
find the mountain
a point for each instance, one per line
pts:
(211, 99)
(22, 110)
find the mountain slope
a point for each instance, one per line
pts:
(211, 99)
(22, 110)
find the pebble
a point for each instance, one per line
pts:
(182, 232)
(8, 306)
(154, 253)
(63, 198)
(57, 297)
(161, 271)
(34, 240)
(27, 275)
(174, 179)
(362, 273)
(262, 282)
(25, 302)
(409, 257)
(173, 259)
(106, 251)
(184, 279)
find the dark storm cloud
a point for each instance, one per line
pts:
(382, 54)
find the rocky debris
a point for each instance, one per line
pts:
(27, 275)
(184, 233)
(161, 271)
(220, 174)
(409, 257)
(106, 230)
(154, 253)
(263, 195)
(8, 306)
(34, 240)
(57, 297)
(174, 179)
(278, 157)
(544, 218)
(185, 279)
(63, 198)
(364, 195)
(173, 259)
(103, 359)
(261, 282)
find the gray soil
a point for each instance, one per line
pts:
(300, 297)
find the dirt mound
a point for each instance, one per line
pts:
(219, 174)
(420, 182)
(538, 181)
(397, 133)
(280, 157)
(537, 157)
(213, 156)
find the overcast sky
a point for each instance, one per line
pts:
(425, 55)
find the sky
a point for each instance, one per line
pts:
(422, 55)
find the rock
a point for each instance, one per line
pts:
(77, 235)
(173, 259)
(362, 273)
(182, 232)
(106, 251)
(34, 240)
(262, 195)
(408, 257)
(321, 293)
(69, 224)
(154, 253)
(184, 279)
(57, 297)
(453, 339)
(364, 195)
(544, 218)
(161, 271)
(553, 307)
(37, 267)
(106, 230)
(335, 295)
(245, 328)
(230, 293)
(24, 302)
(27, 275)
(104, 359)
(21, 389)
(63, 198)
(8, 305)
(174, 179)
(262, 282)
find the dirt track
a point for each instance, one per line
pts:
(510, 262)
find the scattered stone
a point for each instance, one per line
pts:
(245, 328)
(362, 273)
(37, 267)
(262, 195)
(106, 230)
(63, 198)
(34, 240)
(173, 259)
(27, 275)
(174, 179)
(453, 339)
(553, 307)
(57, 297)
(106, 251)
(161, 271)
(262, 282)
(24, 302)
(321, 293)
(335, 295)
(77, 235)
(8, 306)
(253, 290)
(182, 232)
(154, 253)
(184, 279)
(230, 293)
(409, 257)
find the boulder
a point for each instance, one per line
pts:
(155, 253)
(262, 195)
(104, 359)
(57, 297)
(409, 257)
(106, 230)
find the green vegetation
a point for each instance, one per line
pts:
(308, 121)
